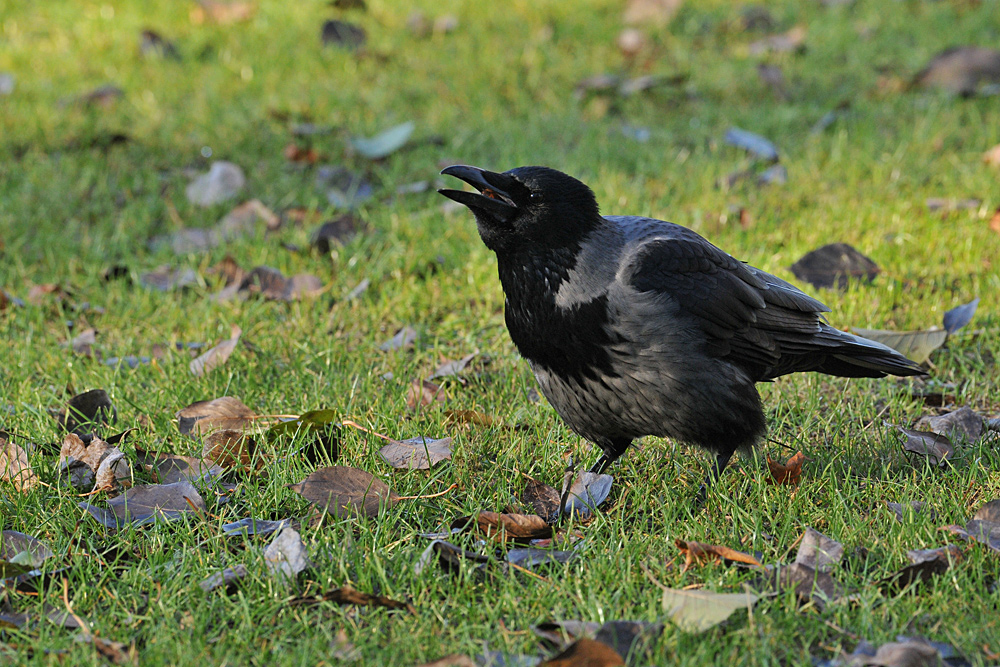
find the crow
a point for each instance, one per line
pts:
(635, 326)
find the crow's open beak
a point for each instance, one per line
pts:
(493, 197)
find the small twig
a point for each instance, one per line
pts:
(69, 609)
(528, 572)
(646, 571)
(433, 495)
(348, 422)
(846, 633)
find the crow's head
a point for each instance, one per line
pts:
(527, 207)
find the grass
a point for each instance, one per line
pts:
(496, 92)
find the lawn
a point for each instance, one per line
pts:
(93, 200)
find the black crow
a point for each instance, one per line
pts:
(635, 326)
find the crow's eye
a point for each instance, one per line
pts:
(535, 197)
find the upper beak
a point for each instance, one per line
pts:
(493, 196)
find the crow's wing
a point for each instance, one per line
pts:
(756, 320)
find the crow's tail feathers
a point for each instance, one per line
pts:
(860, 357)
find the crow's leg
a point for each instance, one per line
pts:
(612, 450)
(721, 460)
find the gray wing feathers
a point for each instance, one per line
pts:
(755, 319)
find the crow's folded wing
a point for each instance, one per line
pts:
(754, 319)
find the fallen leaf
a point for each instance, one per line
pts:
(774, 78)
(453, 660)
(404, 339)
(699, 610)
(170, 468)
(97, 462)
(342, 491)
(227, 578)
(543, 499)
(530, 558)
(949, 205)
(20, 554)
(959, 316)
(232, 450)
(218, 11)
(272, 284)
(222, 181)
(962, 425)
(416, 453)
(15, 468)
(301, 154)
(471, 417)
(809, 585)
(217, 355)
(701, 552)
(166, 278)
(935, 447)
(202, 417)
(513, 527)
(925, 564)
(793, 40)
(560, 634)
(152, 43)
(450, 558)
(834, 265)
(786, 473)
(343, 34)
(343, 188)
(960, 70)
(818, 552)
(423, 393)
(335, 232)
(914, 506)
(384, 143)
(102, 96)
(88, 411)
(915, 345)
(586, 493)
(251, 526)
(83, 343)
(585, 653)
(348, 595)
(752, 143)
(449, 368)
(632, 639)
(286, 555)
(118, 653)
(141, 505)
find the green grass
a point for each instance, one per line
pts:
(497, 92)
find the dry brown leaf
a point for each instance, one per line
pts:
(700, 552)
(471, 417)
(226, 412)
(14, 466)
(513, 527)
(423, 393)
(301, 154)
(348, 595)
(453, 660)
(585, 653)
(995, 221)
(416, 453)
(344, 490)
(217, 355)
(787, 473)
(95, 461)
(232, 450)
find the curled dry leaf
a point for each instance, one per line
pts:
(512, 527)
(450, 558)
(88, 411)
(925, 564)
(14, 466)
(809, 585)
(834, 265)
(96, 462)
(585, 653)
(217, 355)
(936, 448)
(471, 417)
(914, 506)
(700, 552)
(786, 473)
(342, 491)
(170, 468)
(204, 417)
(959, 316)
(348, 595)
(960, 70)
(416, 453)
